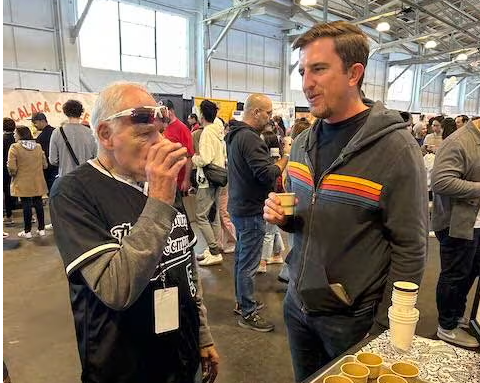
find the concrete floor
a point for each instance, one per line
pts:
(39, 338)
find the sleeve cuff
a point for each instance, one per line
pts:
(159, 212)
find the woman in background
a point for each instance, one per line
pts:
(26, 162)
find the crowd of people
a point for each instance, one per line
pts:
(127, 243)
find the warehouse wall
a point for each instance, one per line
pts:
(431, 96)
(472, 101)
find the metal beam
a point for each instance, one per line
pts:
(39, 71)
(223, 33)
(441, 19)
(390, 83)
(76, 29)
(376, 16)
(353, 6)
(18, 25)
(457, 84)
(305, 13)
(432, 79)
(325, 11)
(455, 50)
(473, 90)
(405, 40)
(226, 12)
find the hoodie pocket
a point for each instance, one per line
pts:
(316, 294)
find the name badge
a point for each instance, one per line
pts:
(166, 310)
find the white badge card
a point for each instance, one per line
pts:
(166, 310)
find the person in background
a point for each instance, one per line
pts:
(456, 222)
(177, 131)
(279, 126)
(8, 140)
(211, 151)
(461, 121)
(422, 123)
(251, 176)
(193, 123)
(80, 139)
(26, 162)
(272, 242)
(128, 252)
(419, 132)
(449, 126)
(353, 173)
(41, 124)
(299, 126)
(433, 140)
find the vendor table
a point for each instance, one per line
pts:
(439, 362)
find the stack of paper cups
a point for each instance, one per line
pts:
(402, 315)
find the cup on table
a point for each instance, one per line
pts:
(402, 328)
(287, 200)
(372, 361)
(407, 371)
(358, 373)
(337, 379)
(390, 378)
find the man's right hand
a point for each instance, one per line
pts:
(164, 161)
(273, 211)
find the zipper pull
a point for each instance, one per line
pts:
(314, 197)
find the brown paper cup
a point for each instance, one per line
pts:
(407, 371)
(372, 361)
(390, 378)
(337, 379)
(287, 200)
(357, 372)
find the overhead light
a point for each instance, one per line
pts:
(430, 44)
(308, 2)
(383, 26)
(462, 57)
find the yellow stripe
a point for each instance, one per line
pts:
(357, 180)
(299, 166)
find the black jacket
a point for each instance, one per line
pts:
(8, 140)
(251, 174)
(44, 140)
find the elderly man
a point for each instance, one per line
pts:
(251, 176)
(128, 254)
(354, 172)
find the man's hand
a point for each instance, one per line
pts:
(287, 145)
(164, 161)
(210, 360)
(273, 211)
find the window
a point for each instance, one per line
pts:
(130, 38)
(401, 90)
(452, 87)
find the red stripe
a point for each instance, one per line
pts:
(301, 176)
(352, 191)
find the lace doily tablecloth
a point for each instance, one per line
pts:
(439, 362)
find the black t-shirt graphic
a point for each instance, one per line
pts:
(93, 213)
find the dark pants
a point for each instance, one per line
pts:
(50, 174)
(27, 203)
(248, 252)
(460, 265)
(8, 199)
(316, 340)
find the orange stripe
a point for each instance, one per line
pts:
(362, 181)
(352, 185)
(297, 174)
(352, 191)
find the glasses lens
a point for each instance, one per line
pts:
(143, 116)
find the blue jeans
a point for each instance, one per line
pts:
(248, 251)
(272, 242)
(316, 340)
(460, 264)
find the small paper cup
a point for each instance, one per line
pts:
(405, 287)
(402, 332)
(372, 361)
(407, 371)
(357, 372)
(287, 200)
(390, 378)
(337, 379)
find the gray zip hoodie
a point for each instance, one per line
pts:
(364, 225)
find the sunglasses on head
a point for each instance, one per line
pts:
(143, 114)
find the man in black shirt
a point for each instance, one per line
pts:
(361, 219)
(41, 124)
(128, 252)
(8, 140)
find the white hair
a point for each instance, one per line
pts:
(109, 101)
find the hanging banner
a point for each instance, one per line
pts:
(226, 107)
(19, 105)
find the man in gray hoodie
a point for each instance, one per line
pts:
(361, 219)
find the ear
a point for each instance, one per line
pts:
(105, 135)
(355, 74)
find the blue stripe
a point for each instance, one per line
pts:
(301, 184)
(351, 199)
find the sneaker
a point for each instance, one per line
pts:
(211, 260)
(458, 337)
(262, 268)
(27, 235)
(464, 323)
(202, 256)
(229, 250)
(431, 234)
(238, 311)
(41, 233)
(276, 259)
(256, 322)
(8, 221)
(49, 227)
